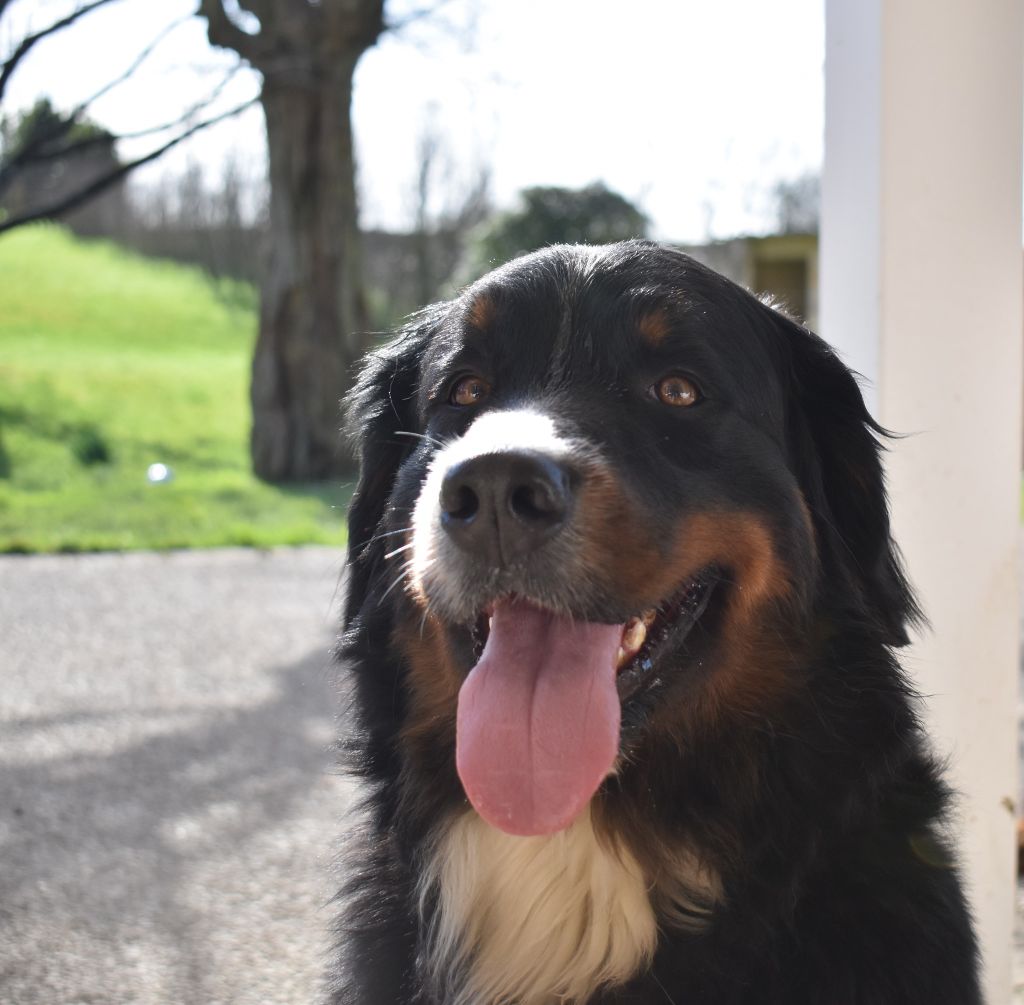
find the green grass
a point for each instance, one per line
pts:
(110, 363)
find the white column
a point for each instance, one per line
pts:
(921, 272)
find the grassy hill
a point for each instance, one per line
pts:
(110, 363)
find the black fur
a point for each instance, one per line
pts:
(822, 811)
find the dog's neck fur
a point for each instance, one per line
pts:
(542, 920)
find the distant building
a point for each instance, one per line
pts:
(783, 265)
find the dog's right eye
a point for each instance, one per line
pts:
(677, 391)
(469, 391)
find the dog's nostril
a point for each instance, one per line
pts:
(464, 504)
(459, 502)
(535, 501)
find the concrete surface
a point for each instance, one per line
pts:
(168, 812)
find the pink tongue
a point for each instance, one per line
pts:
(538, 720)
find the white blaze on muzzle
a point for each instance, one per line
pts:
(495, 432)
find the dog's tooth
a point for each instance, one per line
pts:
(634, 635)
(620, 658)
(638, 633)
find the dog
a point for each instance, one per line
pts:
(620, 628)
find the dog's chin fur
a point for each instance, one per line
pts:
(773, 829)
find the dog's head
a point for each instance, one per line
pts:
(607, 495)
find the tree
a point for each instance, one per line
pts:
(312, 314)
(448, 208)
(312, 311)
(550, 215)
(798, 204)
(67, 155)
(215, 221)
(29, 42)
(57, 141)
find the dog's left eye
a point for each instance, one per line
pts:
(469, 391)
(677, 390)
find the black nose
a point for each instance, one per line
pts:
(502, 506)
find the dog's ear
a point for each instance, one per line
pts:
(836, 452)
(380, 408)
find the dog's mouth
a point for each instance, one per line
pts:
(539, 714)
(660, 630)
(644, 637)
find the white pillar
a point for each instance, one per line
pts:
(921, 272)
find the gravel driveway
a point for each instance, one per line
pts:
(168, 810)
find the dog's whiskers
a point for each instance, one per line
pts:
(663, 990)
(420, 436)
(387, 533)
(406, 566)
(398, 551)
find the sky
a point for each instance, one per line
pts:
(693, 110)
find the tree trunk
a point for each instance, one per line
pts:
(312, 309)
(312, 312)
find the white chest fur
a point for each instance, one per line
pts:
(533, 921)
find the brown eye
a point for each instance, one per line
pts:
(469, 391)
(680, 392)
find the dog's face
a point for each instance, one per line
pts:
(609, 495)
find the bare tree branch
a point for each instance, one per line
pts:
(190, 112)
(136, 63)
(104, 182)
(34, 150)
(30, 41)
(263, 10)
(416, 15)
(151, 130)
(35, 154)
(223, 32)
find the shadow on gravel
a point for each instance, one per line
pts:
(102, 841)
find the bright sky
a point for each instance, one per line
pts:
(691, 109)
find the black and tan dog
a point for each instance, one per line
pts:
(621, 616)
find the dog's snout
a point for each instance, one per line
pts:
(504, 505)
